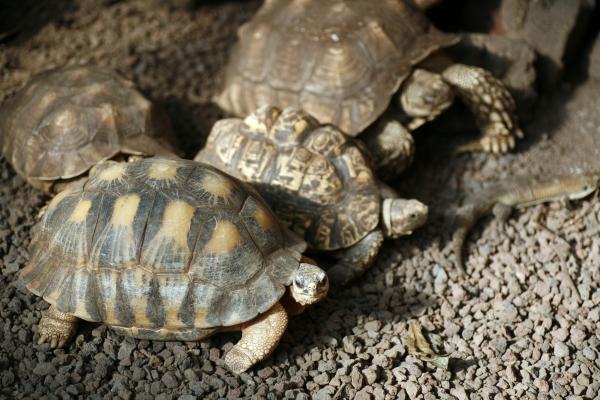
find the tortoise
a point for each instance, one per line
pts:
(318, 181)
(166, 249)
(343, 61)
(66, 120)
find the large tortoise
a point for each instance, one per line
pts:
(343, 60)
(166, 249)
(66, 120)
(317, 180)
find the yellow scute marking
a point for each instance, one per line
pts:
(199, 317)
(113, 172)
(81, 311)
(177, 220)
(172, 316)
(225, 237)
(57, 199)
(300, 126)
(263, 218)
(162, 170)
(125, 210)
(139, 306)
(81, 211)
(216, 185)
(110, 318)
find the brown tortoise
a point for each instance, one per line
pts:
(66, 120)
(343, 60)
(317, 180)
(169, 250)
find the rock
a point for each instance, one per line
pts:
(125, 349)
(169, 380)
(373, 326)
(554, 28)
(363, 395)
(411, 389)
(44, 369)
(322, 379)
(560, 349)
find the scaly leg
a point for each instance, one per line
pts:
(392, 148)
(259, 338)
(56, 327)
(492, 105)
(355, 260)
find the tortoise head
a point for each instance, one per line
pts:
(310, 284)
(425, 95)
(401, 216)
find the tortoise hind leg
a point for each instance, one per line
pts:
(391, 146)
(56, 327)
(492, 105)
(259, 338)
(355, 260)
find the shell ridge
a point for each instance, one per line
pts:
(144, 229)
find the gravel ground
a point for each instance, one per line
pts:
(523, 324)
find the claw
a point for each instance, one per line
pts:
(42, 339)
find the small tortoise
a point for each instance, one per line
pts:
(343, 60)
(164, 249)
(317, 180)
(64, 121)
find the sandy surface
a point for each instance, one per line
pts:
(524, 322)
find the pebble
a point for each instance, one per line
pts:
(411, 389)
(561, 350)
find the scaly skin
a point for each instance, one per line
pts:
(518, 193)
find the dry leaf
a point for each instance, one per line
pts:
(420, 348)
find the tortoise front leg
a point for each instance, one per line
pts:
(492, 105)
(56, 327)
(392, 147)
(259, 338)
(355, 260)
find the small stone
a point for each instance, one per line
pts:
(373, 326)
(371, 375)
(125, 350)
(411, 389)
(589, 353)
(138, 374)
(561, 350)
(542, 385)
(44, 369)
(190, 375)
(357, 379)
(169, 380)
(363, 395)
(322, 379)
(265, 373)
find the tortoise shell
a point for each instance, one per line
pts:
(160, 245)
(316, 179)
(339, 60)
(64, 121)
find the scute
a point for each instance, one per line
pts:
(133, 254)
(325, 56)
(315, 178)
(66, 120)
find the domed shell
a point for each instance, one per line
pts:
(316, 179)
(339, 60)
(161, 244)
(64, 121)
